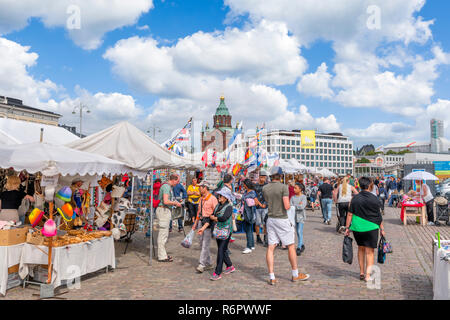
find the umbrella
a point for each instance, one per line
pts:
(420, 175)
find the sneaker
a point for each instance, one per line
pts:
(229, 270)
(298, 251)
(302, 248)
(328, 222)
(272, 282)
(301, 277)
(341, 229)
(247, 250)
(253, 248)
(200, 268)
(215, 277)
(180, 230)
(431, 223)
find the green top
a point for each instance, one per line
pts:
(222, 110)
(273, 194)
(362, 225)
(165, 189)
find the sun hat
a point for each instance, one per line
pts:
(65, 194)
(205, 184)
(225, 192)
(263, 173)
(276, 170)
(49, 229)
(66, 211)
(35, 217)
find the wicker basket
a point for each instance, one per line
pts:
(130, 222)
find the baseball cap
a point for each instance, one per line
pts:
(276, 170)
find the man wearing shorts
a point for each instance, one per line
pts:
(261, 212)
(279, 227)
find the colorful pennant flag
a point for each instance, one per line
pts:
(205, 158)
(236, 169)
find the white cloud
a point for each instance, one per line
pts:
(440, 110)
(15, 80)
(379, 133)
(317, 84)
(97, 17)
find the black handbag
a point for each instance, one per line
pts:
(381, 254)
(347, 250)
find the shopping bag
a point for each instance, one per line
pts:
(347, 250)
(187, 242)
(291, 215)
(381, 254)
(387, 248)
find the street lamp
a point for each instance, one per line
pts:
(81, 107)
(154, 130)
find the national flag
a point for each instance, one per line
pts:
(236, 169)
(205, 158)
(184, 135)
(248, 155)
(219, 169)
(237, 132)
(183, 132)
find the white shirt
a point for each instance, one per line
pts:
(429, 195)
(347, 197)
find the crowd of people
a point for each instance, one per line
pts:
(263, 209)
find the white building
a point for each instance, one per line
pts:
(333, 151)
(12, 108)
(425, 158)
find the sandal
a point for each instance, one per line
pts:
(169, 259)
(362, 277)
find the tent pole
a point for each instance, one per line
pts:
(132, 189)
(151, 219)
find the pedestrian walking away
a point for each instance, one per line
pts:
(365, 221)
(249, 203)
(326, 193)
(261, 211)
(279, 228)
(342, 196)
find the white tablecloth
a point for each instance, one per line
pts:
(84, 258)
(441, 274)
(9, 256)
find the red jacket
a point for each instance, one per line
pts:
(156, 188)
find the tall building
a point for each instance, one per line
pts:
(14, 109)
(218, 136)
(437, 134)
(333, 151)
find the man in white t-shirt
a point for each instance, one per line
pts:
(427, 196)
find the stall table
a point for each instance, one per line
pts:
(418, 210)
(9, 257)
(69, 261)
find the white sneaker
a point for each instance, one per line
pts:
(431, 223)
(247, 250)
(253, 248)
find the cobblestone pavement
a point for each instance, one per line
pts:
(405, 275)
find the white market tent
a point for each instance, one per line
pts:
(126, 143)
(17, 131)
(298, 166)
(326, 173)
(52, 160)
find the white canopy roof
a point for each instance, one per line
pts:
(16, 131)
(126, 143)
(326, 173)
(52, 160)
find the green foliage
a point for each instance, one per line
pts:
(363, 160)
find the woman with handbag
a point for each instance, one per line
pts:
(11, 200)
(221, 221)
(249, 202)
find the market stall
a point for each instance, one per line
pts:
(126, 143)
(50, 163)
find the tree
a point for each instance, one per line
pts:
(363, 160)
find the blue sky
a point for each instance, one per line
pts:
(165, 61)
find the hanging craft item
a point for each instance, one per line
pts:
(65, 194)
(49, 229)
(66, 211)
(35, 217)
(96, 197)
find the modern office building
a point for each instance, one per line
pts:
(333, 151)
(437, 134)
(14, 109)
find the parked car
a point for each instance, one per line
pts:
(444, 187)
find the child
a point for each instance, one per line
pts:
(299, 201)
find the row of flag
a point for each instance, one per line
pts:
(182, 136)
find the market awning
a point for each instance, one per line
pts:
(50, 159)
(16, 131)
(126, 143)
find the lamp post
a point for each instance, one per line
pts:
(154, 130)
(81, 107)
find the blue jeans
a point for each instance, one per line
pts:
(248, 228)
(299, 228)
(391, 199)
(326, 208)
